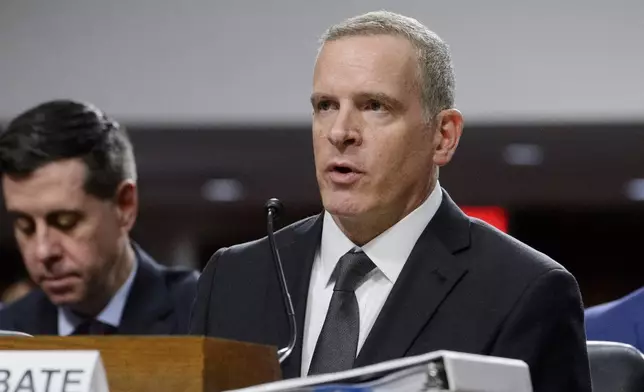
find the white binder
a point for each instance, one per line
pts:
(436, 371)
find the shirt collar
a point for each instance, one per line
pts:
(68, 321)
(390, 250)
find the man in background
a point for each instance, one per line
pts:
(69, 183)
(621, 320)
(393, 267)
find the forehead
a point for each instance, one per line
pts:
(56, 185)
(381, 62)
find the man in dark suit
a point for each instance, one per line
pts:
(621, 320)
(69, 183)
(393, 267)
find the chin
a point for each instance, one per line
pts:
(67, 299)
(343, 206)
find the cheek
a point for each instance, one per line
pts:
(79, 252)
(389, 158)
(34, 268)
(106, 242)
(318, 138)
(320, 148)
(28, 254)
(400, 160)
(85, 246)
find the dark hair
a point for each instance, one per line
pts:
(65, 129)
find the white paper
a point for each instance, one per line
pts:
(52, 370)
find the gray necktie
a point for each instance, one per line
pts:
(338, 342)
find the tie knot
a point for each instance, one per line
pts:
(94, 327)
(351, 270)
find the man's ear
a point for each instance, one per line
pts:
(127, 204)
(447, 134)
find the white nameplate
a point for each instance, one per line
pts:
(52, 371)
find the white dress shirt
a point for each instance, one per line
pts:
(388, 251)
(110, 315)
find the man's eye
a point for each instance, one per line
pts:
(324, 106)
(24, 225)
(65, 221)
(375, 106)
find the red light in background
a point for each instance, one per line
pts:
(495, 216)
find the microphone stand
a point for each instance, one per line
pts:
(273, 207)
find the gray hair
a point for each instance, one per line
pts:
(436, 72)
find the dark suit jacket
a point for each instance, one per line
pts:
(158, 304)
(465, 287)
(621, 320)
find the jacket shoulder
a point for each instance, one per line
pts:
(180, 276)
(250, 260)
(11, 314)
(508, 252)
(283, 237)
(181, 283)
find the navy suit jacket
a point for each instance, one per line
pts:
(621, 320)
(465, 287)
(158, 304)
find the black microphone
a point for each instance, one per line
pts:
(273, 208)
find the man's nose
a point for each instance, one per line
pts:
(346, 129)
(47, 245)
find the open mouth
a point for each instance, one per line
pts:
(343, 174)
(342, 169)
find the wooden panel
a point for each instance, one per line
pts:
(231, 365)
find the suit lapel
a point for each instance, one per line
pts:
(428, 276)
(148, 309)
(297, 258)
(49, 314)
(44, 319)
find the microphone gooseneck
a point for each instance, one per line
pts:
(273, 208)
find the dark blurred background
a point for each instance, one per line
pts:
(215, 95)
